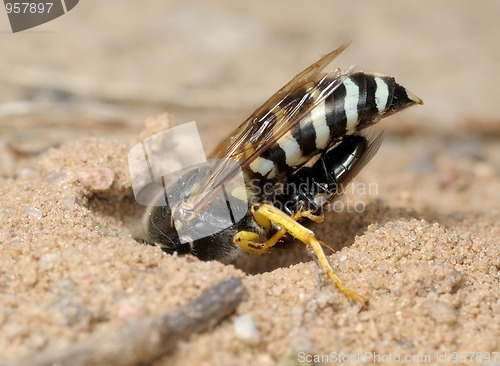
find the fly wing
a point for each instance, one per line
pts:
(268, 124)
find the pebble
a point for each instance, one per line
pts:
(97, 178)
(69, 202)
(57, 177)
(246, 331)
(34, 212)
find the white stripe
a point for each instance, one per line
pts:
(381, 94)
(291, 149)
(351, 105)
(263, 166)
(318, 118)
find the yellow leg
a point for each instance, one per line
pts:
(306, 236)
(250, 241)
(253, 243)
(318, 219)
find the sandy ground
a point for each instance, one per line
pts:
(424, 249)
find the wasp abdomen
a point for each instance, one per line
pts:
(360, 101)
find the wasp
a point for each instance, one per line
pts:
(303, 145)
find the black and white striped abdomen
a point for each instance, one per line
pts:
(360, 101)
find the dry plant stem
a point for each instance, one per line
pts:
(145, 340)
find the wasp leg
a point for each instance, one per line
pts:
(308, 214)
(250, 241)
(306, 236)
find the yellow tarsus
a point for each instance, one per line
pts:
(318, 219)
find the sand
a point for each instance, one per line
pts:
(424, 247)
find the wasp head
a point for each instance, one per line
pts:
(206, 234)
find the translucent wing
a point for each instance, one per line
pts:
(268, 124)
(374, 138)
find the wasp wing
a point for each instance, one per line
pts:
(268, 124)
(374, 139)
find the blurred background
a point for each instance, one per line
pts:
(104, 67)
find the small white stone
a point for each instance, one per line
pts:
(48, 261)
(246, 331)
(34, 212)
(57, 177)
(69, 202)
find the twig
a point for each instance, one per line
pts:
(144, 341)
